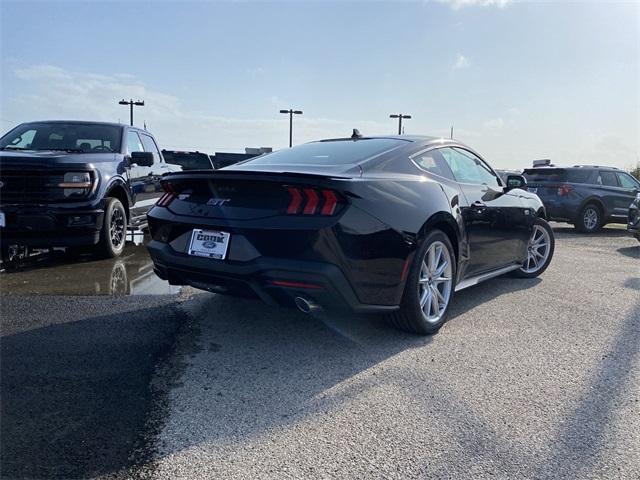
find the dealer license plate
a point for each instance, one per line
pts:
(208, 243)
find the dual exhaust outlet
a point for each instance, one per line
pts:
(307, 306)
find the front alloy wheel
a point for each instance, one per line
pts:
(540, 249)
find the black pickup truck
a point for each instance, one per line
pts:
(77, 184)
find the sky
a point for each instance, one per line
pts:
(517, 80)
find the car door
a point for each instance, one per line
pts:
(496, 222)
(616, 200)
(629, 189)
(143, 189)
(159, 166)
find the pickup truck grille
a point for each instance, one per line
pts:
(30, 186)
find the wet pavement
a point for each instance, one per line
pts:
(59, 273)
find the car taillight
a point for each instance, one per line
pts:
(169, 196)
(564, 190)
(312, 201)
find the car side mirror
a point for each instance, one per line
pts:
(515, 181)
(142, 159)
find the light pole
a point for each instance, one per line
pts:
(131, 103)
(400, 116)
(291, 114)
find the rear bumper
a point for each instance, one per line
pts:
(50, 226)
(325, 283)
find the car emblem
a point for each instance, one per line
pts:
(209, 244)
(217, 202)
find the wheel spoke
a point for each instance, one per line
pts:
(431, 261)
(435, 303)
(441, 269)
(425, 297)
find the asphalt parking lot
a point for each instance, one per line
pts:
(531, 378)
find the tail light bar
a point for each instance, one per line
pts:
(169, 196)
(312, 201)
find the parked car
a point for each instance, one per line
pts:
(504, 174)
(633, 223)
(77, 184)
(391, 225)
(188, 160)
(586, 195)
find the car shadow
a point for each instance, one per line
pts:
(264, 369)
(583, 434)
(81, 398)
(75, 394)
(633, 252)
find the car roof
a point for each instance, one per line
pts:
(80, 122)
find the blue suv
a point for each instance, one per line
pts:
(586, 195)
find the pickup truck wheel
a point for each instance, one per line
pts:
(114, 229)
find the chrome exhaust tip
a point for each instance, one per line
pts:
(306, 306)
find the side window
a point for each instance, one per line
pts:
(627, 181)
(150, 146)
(467, 168)
(607, 179)
(432, 161)
(133, 143)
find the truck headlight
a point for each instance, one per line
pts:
(76, 180)
(76, 184)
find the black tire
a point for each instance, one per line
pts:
(585, 222)
(523, 272)
(410, 317)
(114, 229)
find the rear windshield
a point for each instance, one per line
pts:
(76, 137)
(335, 152)
(554, 175)
(187, 160)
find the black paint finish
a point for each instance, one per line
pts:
(388, 204)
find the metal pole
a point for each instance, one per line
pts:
(400, 124)
(131, 107)
(290, 128)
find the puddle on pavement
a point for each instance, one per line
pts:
(59, 273)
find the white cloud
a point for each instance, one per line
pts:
(458, 4)
(461, 62)
(494, 123)
(50, 92)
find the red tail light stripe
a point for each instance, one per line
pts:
(312, 201)
(330, 202)
(166, 199)
(296, 201)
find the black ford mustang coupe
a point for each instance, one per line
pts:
(391, 225)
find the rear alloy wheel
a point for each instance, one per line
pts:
(429, 288)
(114, 229)
(590, 219)
(540, 249)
